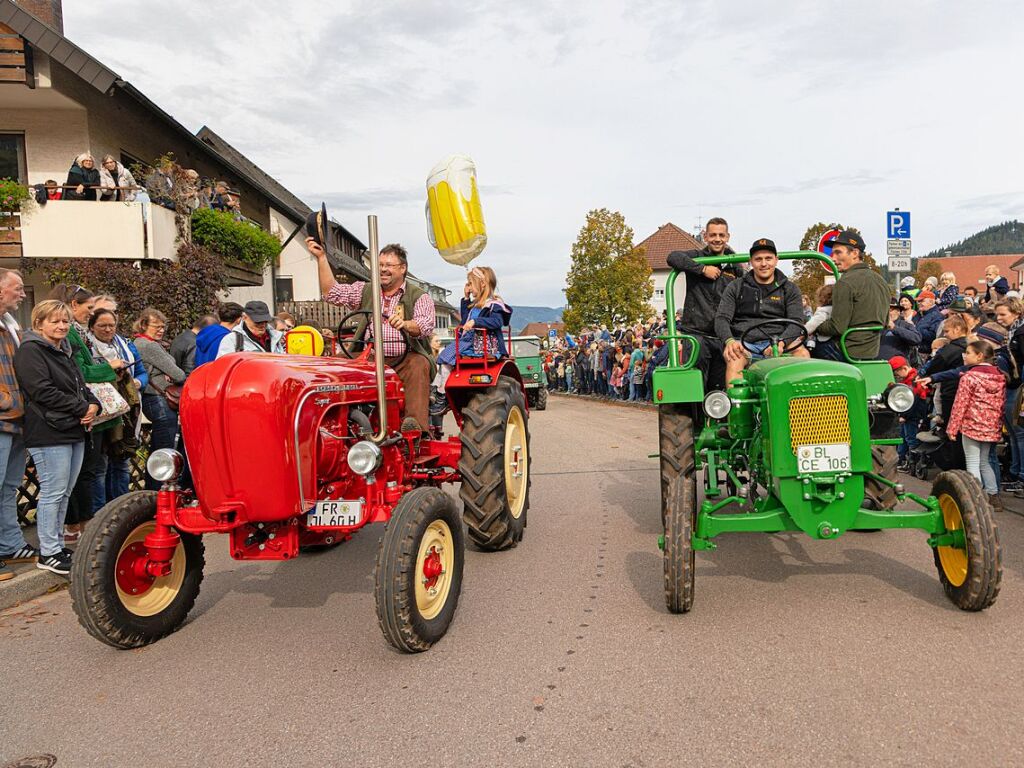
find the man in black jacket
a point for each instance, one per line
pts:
(704, 288)
(764, 293)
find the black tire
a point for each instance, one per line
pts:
(979, 584)
(495, 521)
(542, 399)
(883, 462)
(675, 445)
(679, 557)
(413, 524)
(95, 597)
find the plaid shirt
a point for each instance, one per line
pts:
(12, 402)
(351, 295)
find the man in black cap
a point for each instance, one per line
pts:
(763, 293)
(253, 332)
(860, 297)
(704, 288)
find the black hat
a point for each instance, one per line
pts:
(316, 226)
(258, 312)
(965, 306)
(846, 237)
(763, 244)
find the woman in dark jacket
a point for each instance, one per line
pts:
(59, 409)
(83, 179)
(901, 336)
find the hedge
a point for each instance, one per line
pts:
(230, 239)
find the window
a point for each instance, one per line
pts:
(659, 293)
(284, 289)
(12, 157)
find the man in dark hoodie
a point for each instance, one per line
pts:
(704, 288)
(208, 339)
(183, 348)
(763, 293)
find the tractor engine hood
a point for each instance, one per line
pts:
(250, 423)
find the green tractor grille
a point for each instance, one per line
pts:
(818, 420)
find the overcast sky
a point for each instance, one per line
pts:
(774, 115)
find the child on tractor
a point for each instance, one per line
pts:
(481, 308)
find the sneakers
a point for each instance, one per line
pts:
(904, 467)
(1009, 486)
(60, 563)
(26, 554)
(71, 535)
(5, 572)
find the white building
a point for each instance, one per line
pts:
(657, 247)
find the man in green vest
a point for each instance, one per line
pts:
(405, 307)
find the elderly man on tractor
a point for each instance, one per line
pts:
(861, 297)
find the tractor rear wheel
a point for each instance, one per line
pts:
(675, 444)
(542, 399)
(116, 602)
(883, 462)
(419, 570)
(970, 577)
(495, 466)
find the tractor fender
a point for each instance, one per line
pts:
(484, 375)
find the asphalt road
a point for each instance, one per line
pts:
(562, 653)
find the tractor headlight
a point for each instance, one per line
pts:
(900, 398)
(717, 405)
(364, 457)
(165, 464)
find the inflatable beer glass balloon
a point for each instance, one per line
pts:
(455, 221)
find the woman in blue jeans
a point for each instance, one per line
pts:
(163, 372)
(59, 408)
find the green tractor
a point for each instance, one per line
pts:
(800, 444)
(526, 351)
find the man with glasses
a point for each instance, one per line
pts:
(405, 307)
(253, 333)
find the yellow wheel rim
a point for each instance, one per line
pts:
(163, 590)
(953, 559)
(433, 574)
(517, 462)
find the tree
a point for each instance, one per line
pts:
(809, 275)
(927, 268)
(609, 281)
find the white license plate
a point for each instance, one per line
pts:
(834, 457)
(335, 513)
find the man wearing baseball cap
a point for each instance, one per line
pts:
(763, 293)
(253, 332)
(860, 298)
(928, 320)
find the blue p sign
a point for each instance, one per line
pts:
(898, 225)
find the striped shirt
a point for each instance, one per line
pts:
(351, 295)
(12, 402)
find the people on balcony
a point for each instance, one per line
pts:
(83, 179)
(116, 181)
(51, 190)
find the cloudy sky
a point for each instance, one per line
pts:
(774, 115)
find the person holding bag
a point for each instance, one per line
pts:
(163, 374)
(59, 412)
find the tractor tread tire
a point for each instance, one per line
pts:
(678, 505)
(542, 399)
(395, 573)
(984, 552)
(883, 462)
(489, 521)
(675, 430)
(93, 591)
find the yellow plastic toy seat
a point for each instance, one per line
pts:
(455, 220)
(304, 340)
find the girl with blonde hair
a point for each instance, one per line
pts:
(948, 290)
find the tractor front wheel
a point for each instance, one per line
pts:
(884, 460)
(970, 575)
(495, 466)
(114, 598)
(542, 399)
(419, 570)
(678, 505)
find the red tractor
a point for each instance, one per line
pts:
(290, 452)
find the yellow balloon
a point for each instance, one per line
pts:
(455, 219)
(304, 340)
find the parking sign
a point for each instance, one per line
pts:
(897, 223)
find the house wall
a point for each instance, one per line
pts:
(295, 261)
(53, 137)
(658, 279)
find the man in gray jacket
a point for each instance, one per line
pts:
(253, 333)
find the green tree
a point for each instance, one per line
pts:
(609, 280)
(809, 275)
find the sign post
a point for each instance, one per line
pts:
(897, 244)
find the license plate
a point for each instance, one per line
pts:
(335, 513)
(834, 457)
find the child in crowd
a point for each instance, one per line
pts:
(821, 314)
(481, 308)
(978, 414)
(909, 421)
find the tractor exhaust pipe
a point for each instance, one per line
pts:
(378, 331)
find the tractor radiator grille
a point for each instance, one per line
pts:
(819, 420)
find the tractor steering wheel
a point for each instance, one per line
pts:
(353, 332)
(761, 330)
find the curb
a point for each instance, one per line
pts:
(643, 406)
(28, 584)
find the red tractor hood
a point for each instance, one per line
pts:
(250, 423)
